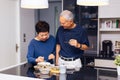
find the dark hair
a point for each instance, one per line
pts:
(42, 26)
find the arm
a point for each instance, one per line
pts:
(30, 54)
(53, 46)
(84, 39)
(31, 58)
(82, 46)
(76, 44)
(51, 56)
(57, 53)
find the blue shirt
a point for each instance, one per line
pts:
(40, 48)
(63, 37)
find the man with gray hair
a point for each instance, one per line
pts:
(72, 40)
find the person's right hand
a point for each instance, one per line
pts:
(51, 56)
(40, 59)
(56, 64)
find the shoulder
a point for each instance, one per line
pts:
(33, 41)
(79, 28)
(52, 37)
(60, 28)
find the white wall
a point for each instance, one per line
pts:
(14, 22)
(51, 15)
(111, 10)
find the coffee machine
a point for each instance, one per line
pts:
(106, 48)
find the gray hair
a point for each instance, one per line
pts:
(67, 15)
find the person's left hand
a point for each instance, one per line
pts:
(51, 56)
(73, 42)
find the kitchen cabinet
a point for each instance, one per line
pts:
(109, 29)
(89, 20)
(95, 26)
(105, 76)
(105, 63)
(86, 17)
(109, 25)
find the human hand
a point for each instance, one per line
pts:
(40, 59)
(73, 42)
(51, 56)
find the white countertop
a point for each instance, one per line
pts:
(14, 77)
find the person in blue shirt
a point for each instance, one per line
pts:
(42, 47)
(71, 40)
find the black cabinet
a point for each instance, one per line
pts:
(87, 17)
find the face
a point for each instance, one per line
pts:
(65, 23)
(43, 36)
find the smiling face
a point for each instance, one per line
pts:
(67, 24)
(43, 36)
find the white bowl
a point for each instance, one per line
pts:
(44, 63)
(44, 67)
(45, 71)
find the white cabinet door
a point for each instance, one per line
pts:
(16, 27)
(111, 10)
(8, 26)
(27, 31)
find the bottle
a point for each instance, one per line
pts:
(62, 69)
(117, 21)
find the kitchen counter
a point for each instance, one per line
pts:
(98, 60)
(85, 73)
(14, 77)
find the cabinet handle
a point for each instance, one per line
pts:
(17, 47)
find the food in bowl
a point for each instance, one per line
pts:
(44, 67)
(43, 64)
(55, 69)
(36, 67)
(44, 71)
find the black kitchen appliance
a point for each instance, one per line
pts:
(107, 48)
